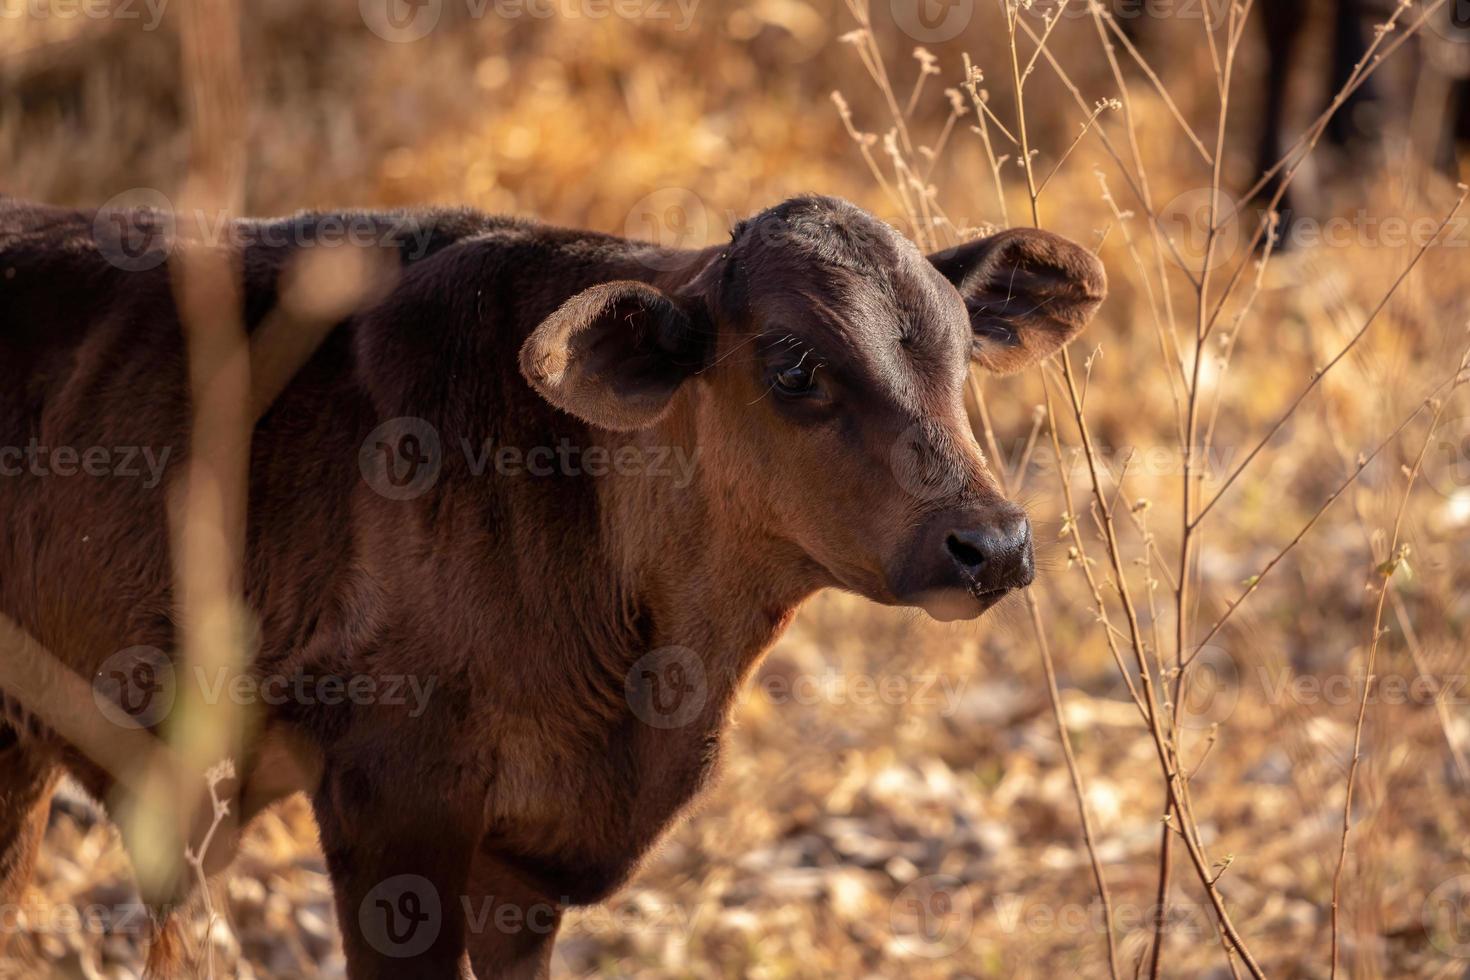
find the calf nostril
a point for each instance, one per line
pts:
(969, 556)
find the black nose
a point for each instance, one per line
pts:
(995, 556)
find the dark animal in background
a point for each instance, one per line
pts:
(1436, 94)
(1438, 97)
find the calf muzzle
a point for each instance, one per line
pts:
(962, 562)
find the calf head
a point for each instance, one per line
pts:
(824, 362)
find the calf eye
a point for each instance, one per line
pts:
(796, 380)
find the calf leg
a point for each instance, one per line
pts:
(26, 783)
(398, 858)
(510, 926)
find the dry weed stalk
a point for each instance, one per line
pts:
(1074, 771)
(1180, 818)
(218, 773)
(1158, 693)
(864, 41)
(1395, 559)
(208, 502)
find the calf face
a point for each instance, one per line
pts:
(824, 363)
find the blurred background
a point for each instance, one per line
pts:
(896, 800)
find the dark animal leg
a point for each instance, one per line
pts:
(398, 863)
(511, 928)
(1284, 21)
(1352, 124)
(1460, 125)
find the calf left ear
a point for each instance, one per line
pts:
(1027, 291)
(613, 355)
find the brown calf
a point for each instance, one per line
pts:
(561, 489)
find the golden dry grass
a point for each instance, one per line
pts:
(876, 750)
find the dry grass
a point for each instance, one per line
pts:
(897, 800)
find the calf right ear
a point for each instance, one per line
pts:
(613, 355)
(1028, 292)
